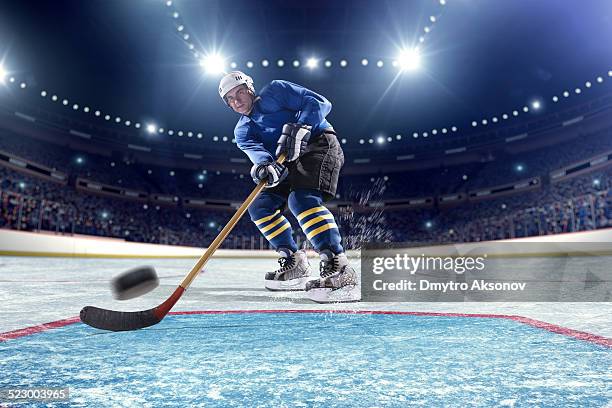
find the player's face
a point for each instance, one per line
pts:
(240, 99)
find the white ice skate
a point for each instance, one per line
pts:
(293, 274)
(338, 282)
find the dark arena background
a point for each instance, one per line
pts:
(474, 131)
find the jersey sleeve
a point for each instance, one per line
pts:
(248, 143)
(312, 107)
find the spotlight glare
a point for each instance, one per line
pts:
(536, 105)
(343, 63)
(151, 128)
(380, 63)
(233, 65)
(312, 63)
(380, 140)
(409, 59)
(328, 63)
(296, 63)
(265, 63)
(364, 62)
(2, 74)
(213, 64)
(280, 63)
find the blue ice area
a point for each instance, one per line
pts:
(313, 360)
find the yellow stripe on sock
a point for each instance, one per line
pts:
(273, 224)
(310, 211)
(278, 231)
(317, 219)
(319, 230)
(268, 218)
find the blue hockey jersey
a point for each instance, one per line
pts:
(278, 103)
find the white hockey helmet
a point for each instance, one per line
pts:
(232, 80)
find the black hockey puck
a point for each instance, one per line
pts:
(135, 282)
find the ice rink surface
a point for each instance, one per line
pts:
(40, 290)
(289, 359)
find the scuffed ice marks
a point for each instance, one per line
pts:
(359, 227)
(314, 359)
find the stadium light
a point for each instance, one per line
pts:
(213, 64)
(312, 63)
(536, 105)
(409, 59)
(151, 128)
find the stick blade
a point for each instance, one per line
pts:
(118, 321)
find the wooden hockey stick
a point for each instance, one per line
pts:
(124, 321)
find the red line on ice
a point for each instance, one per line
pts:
(38, 328)
(579, 335)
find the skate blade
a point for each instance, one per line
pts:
(346, 294)
(293, 285)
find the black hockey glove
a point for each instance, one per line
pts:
(293, 140)
(274, 173)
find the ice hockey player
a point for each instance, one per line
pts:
(285, 118)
